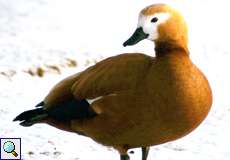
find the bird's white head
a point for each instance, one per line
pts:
(159, 23)
(150, 23)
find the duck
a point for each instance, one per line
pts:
(133, 100)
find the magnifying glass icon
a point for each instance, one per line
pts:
(9, 147)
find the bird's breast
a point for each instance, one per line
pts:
(180, 94)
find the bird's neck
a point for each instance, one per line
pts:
(169, 47)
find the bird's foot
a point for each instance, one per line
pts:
(125, 157)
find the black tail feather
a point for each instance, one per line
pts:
(72, 109)
(42, 103)
(30, 117)
(66, 111)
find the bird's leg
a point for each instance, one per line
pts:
(145, 152)
(124, 157)
(122, 149)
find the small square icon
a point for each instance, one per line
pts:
(10, 148)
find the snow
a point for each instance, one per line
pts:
(38, 33)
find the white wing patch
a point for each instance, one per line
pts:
(90, 101)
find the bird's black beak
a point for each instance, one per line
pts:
(137, 36)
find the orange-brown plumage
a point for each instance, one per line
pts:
(144, 100)
(169, 100)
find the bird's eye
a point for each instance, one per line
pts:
(154, 20)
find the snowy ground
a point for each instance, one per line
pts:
(46, 33)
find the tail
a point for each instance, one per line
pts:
(31, 117)
(66, 111)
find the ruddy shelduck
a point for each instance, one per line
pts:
(133, 100)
